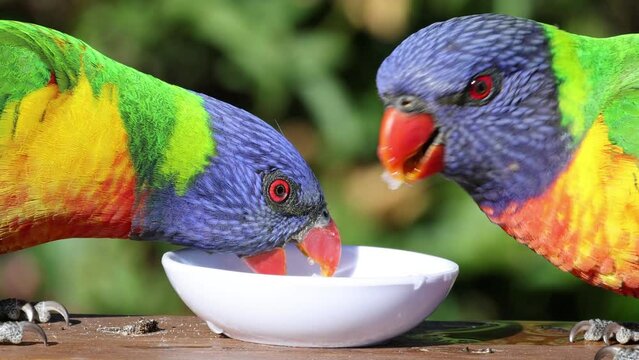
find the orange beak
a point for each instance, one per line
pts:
(322, 244)
(408, 145)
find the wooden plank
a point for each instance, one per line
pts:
(186, 337)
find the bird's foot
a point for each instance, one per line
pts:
(596, 329)
(15, 310)
(608, 331)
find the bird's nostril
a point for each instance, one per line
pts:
(407, 103)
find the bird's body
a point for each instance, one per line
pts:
(65, 138)
(540, 126)
(92, 148)
(587, 222)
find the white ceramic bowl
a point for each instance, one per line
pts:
(376, 294)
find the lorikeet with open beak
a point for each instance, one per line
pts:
(92, 148)
(539, 126)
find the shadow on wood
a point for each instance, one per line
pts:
(431, 333)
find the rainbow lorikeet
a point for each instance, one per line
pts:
(92, 148)
(539, 126)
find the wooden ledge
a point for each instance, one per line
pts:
(186, 337)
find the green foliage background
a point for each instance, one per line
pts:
(309, 67)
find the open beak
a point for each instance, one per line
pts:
(410, 146)
(321, 244)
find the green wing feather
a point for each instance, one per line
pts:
(598, 77)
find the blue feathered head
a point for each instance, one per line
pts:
(476, 99)
(256, 195)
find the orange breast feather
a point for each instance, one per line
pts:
(587, 222)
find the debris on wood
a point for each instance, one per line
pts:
(141, 327)
(479, 351)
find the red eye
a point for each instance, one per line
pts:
(480, 87)
(279, 190)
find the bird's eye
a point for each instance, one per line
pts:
(279, 190)
(480, 87)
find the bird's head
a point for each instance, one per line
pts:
(474, 98)
(256, 195)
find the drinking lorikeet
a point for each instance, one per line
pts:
(538, 125)
(92, 148)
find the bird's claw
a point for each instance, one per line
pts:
(13, 331)
(26, 326)
(44, 309)
(617, 352)
(593, 329)
(28, 311)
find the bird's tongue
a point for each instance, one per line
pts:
(320, 244)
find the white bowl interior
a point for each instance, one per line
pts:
(375, 294)
(356, 262)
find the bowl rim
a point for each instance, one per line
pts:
(169, 259)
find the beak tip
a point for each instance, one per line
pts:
(323, 246)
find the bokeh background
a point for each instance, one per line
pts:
(309, 67)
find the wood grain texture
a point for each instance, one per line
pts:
(186, 337)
